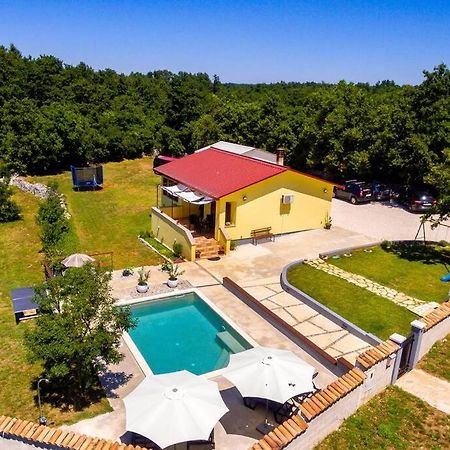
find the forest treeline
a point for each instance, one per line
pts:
(53, 115)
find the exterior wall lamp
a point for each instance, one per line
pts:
(325, 190)
(244, 198)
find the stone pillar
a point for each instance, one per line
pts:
(398, 339)
(417, 330)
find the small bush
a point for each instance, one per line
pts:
(177, 249)
(385, 245)
(328, 221)
(233, 245)
(145, 234)
(9, 211)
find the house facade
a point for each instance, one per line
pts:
(216, 196)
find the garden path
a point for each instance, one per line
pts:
(415, 305)
(433, 390)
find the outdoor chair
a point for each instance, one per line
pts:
(209, 441)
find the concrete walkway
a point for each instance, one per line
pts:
(415, 305)
(435, 391)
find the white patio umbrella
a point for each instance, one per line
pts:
(174, 407)
(77, 260)
(269, 373)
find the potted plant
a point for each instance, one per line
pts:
(174, 272)
(127, 272)
(143, 276)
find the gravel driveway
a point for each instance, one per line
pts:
(382, 221)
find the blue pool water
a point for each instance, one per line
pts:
(183, 332)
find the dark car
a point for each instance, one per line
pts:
(354, 191)
(381, 191)
(416, 199)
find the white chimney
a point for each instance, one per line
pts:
(280, 156)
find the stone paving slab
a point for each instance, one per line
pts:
(302, 312)
(284, 299)
(259, 292)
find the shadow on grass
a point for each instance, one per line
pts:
(65, 397)
(420, 251)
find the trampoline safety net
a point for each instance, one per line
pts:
(87, 176)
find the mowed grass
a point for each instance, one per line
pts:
(20, 265)
(368, 311)
(414, 278)
(393, 419)
(437, 360)
(109, 220)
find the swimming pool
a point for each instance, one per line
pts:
(184, 332)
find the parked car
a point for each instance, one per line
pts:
(380, 191)
(354, 191)
(416, 199)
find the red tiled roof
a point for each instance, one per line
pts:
(218, 173)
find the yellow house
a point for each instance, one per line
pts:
(213, 197)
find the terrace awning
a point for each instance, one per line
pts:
(186, 194)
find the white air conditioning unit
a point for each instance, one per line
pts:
(287, 199)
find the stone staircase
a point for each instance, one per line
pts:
(207, 247)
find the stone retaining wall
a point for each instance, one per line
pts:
(38, 190)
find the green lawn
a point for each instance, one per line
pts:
(20, 265)
(393, 419)
(413, 277)
(106, 220)
(368, 311)
(110, 219)
(437, 360)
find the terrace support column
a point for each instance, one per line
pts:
(417, 330)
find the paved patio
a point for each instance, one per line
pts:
(258, 269)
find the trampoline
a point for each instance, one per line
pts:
(87, 177)
(23, 305)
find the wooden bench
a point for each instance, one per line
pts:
(262, 233)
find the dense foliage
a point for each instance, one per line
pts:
(79, 328)
(53, 222)
(53, 115)
(9, 211)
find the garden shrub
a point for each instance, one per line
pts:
(9, 211)
(177, 249)
(53, 222)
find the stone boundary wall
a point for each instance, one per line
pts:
(325, 411)
(45, 437)
(437, 326)
(323, 310)
(38, 190)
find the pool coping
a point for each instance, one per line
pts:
(137, 355)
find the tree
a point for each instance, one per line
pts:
(9, 211)
(79, 329)
(53, 222)
(439, 177)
